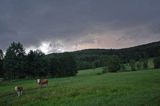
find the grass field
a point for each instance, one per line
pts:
(138, 88)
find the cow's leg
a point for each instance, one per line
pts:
(18, 93)
(21, 92)
(44, 85)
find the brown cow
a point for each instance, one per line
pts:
(19, 90)
(42, 82)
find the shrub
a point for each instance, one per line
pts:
(145, 63)
(112, 64)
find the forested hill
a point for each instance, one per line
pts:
(96, 57)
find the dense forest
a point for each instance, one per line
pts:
(17, 64)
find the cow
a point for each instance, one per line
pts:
(19, 90)
(42, 82)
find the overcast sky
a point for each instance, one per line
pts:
(68, 25)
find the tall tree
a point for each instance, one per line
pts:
(69, 64)
(54, 67)
(63, 65)
(14, 61)
(36, 64)
(1, 63)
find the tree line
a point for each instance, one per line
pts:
(16, 64)
(91, 58)
(115, 64)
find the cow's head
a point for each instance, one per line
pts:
(38, 81)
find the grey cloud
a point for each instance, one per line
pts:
(35, 21)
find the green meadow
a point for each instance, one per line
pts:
(88, 88)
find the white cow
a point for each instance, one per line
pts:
(19, 90)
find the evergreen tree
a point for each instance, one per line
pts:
(14, 61)
(63, 65)
(54, 67)
(36, 64)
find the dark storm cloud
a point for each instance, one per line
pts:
(73, 24)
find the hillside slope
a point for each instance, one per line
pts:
(89, 58)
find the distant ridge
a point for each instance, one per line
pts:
(152, 44)
(87, 57)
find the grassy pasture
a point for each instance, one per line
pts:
(88, 88)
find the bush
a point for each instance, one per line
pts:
(123, 68)
(145, 63)
(112, 64)
(105, 69)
